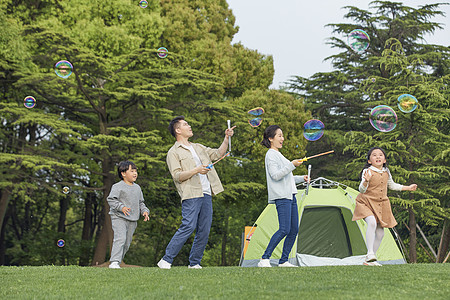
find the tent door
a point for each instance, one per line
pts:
(323, 233)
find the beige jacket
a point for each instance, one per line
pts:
(180, 159)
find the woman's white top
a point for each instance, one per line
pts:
(281, 183)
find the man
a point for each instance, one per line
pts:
(196, 184)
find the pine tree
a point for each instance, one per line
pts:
(395, 63)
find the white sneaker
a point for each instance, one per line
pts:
(162, 264)
(370, 257)
(114, 265)
(287, 264)
(195, 267)
(375, 263)
(264, 263)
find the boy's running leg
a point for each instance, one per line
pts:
(202, 230)
(119, 228)
(131, 227)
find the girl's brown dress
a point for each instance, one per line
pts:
(374, 202)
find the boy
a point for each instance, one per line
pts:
(126, 203)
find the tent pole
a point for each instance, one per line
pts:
(426, 241)
(445, 260)
(398, 238)
(242, 247)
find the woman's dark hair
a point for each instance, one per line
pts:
(124, 166)
(173, 124)
(367, 165)
(269, 133)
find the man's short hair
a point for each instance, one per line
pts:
(124, 166)
(174, 125)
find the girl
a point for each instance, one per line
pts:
(281, 185)
(372, 203)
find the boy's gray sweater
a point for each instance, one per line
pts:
(124, 195)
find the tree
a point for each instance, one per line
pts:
(202, 32)
(118, 102)
(395, 63)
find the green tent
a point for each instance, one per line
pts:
(327, 234)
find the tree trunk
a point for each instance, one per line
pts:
(412, 236)
(2, 240)
(63, 207)
(106, 234)
(87, 221)
(445, 241)
(224, 240)
(26, 225)
(4, 200)
(105, 237)
(86, 234)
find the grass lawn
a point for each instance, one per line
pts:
(419, 281)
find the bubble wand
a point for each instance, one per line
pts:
(320, 154)
(210, 166)
(309, 179)
(229, 138)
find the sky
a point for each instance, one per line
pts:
(294, 32)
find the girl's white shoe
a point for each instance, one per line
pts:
(370, 257)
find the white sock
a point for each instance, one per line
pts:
(379, 234)
(370, 233)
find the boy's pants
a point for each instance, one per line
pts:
(123, 233)
(197, 215)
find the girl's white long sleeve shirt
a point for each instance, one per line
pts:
(390, 183)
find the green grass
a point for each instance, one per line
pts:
(419, 281)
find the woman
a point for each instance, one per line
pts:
(281, 185)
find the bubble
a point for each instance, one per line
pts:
(313, 130)
(407, 103)
(256, 111)
(383, 118)
(162, 52)
(66, 190)
(255, 122)
(29, 102)
(373, 80)
(358, 40)
(143, 4)
(63, 68)
(60, 243)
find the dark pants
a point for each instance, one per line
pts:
(197, 215)
(288, 220)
